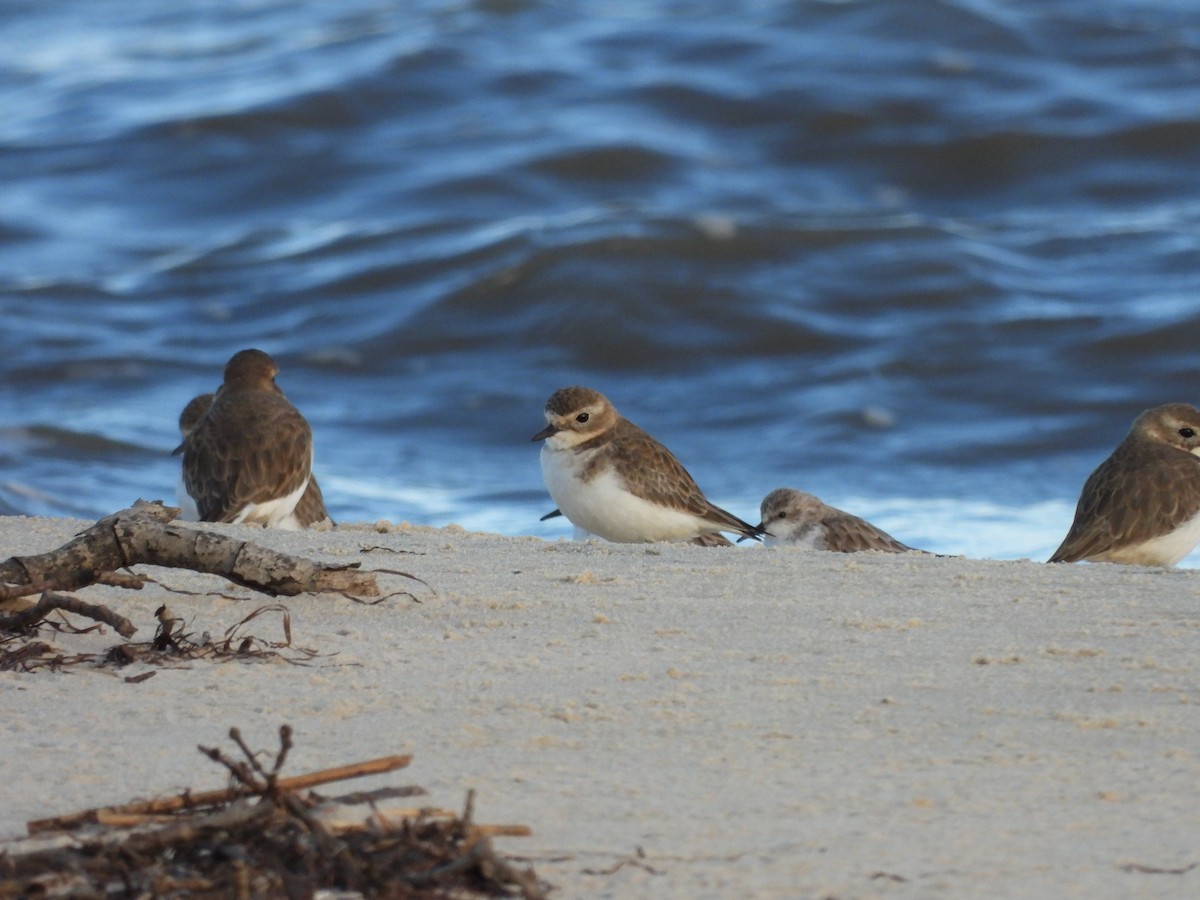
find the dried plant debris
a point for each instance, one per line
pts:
(146, 533)
(171, 645)
(263, 837)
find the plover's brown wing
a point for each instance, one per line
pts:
(251, 448)
(1142, 491)
(653, 473)
(846, 533)
(311, 508)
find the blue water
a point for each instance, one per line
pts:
(926, 260)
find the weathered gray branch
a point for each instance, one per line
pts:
(145, 535)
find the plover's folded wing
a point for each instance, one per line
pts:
(658, 476)
(1142, 491)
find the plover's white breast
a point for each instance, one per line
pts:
(1164, 550)
(604, 506)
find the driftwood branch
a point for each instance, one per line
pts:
(49, 602)
(163, 805)
(144, 534)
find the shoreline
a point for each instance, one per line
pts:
(684, 721)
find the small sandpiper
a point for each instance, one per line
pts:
(792, 518)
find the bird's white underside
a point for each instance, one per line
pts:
(277, 513)
(806, 538)
(1164, 550)
(605, 507)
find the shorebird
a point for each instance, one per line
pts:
(309, 511)
(1142, 505)
(615, 481)
(248, 457)
(792, 518)
(191, 415)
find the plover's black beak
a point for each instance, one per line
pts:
(548, 431)
(551, 515)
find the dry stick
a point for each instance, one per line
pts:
(385, 597)
(131, 820)
(286, 800)
(189, 829)
(50, 602)
(407, 575)
(18, 657)
(144, 534)
(357, 798)
(285, 744)
(129, 580)
(224, 795)
(14, 591)
(384, 817)
(481, 856)
(239, 770)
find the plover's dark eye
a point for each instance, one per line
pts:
(1186, 432)
(582, 417)
(782, 515)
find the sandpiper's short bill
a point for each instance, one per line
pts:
(248, 456)
(1142, 505)
(615, 481)
(792, 518)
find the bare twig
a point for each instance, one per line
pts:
(49, 602)
(189, 800)
(129, 580)
(1156, 870)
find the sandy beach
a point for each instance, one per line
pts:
(683, 722)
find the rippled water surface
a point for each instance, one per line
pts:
(926, 260)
